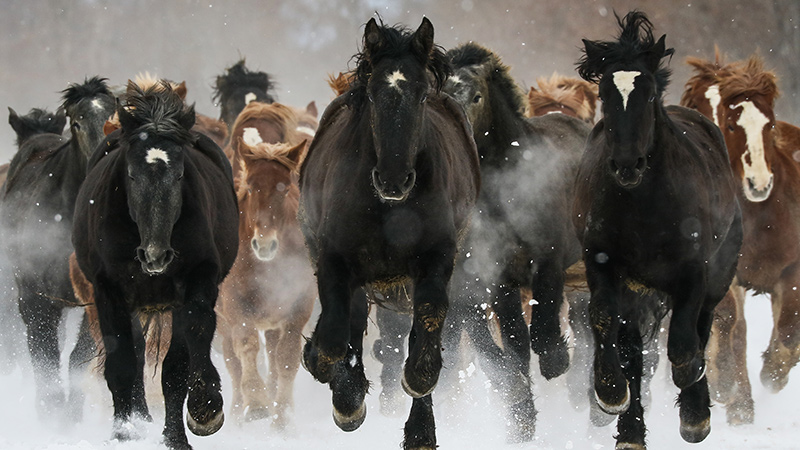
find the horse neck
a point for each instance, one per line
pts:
(507, 126)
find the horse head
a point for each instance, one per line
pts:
(155, 125)
(474, 68)
(395, 67)
(35, 122)
(268, 194)
(701, 91)
(747, 121)
(88, 106)
(631, 84)
(237, 87)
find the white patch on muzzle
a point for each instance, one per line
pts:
(757, 176)
(623, 80)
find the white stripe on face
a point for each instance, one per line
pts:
(712, 94)
(752, 121)
(250, 97)
(251, 137)
(455, 79)
(156, 154)
(394, 78)
(623, 80)
(96, 104)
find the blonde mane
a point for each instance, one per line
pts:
(341, 83)
(282, 115)
(561, 91)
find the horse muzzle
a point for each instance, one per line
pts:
(757, 192)
(629, 175)
(392, 190)
(265, 248)
(154, 260)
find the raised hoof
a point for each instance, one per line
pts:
(421, 388)
(775, 382)
(125, 431)
(256, 413)
(208, 428)
(351, 422)
(740, 413)
(688, 373)
(694, 433)
(555, 361)
(629, 446)
(615, 408)
(317, 364)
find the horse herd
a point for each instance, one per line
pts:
(433, 187)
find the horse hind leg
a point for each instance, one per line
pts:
(348, 383)
(783, 352)
(389, 350)
(419, 432)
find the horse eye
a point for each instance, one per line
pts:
(424, 98)
(652, 99)
(76, 125)
(477, 98)
(730, 128)
(369, 96)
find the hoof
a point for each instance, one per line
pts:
(694, 433)
(256, 413)
(421, 390)
(689, 373)
(351, 422)
(629, 446)
(125, 431)
(555, 361)
(177, 442)
(775, 382)
(618, 408)
(208, 428)
(740, 413)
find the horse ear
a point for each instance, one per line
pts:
(373, 40)
(297, 153)
(181, 90)
(311, 108)
(187, 118)
(126, 119)
(423, 38)
(61, 119)
(593, 50)
(15, 121)
(657, 52)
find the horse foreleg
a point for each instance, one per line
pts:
(389, 350)
(234, 366)
(331, 335)
(683, 343)
(630, 425)
(547, 340)
(174, 384)
(420, 429)
(254, 392)
(79, 364)
(349, 384)
(284, 365)
(783, 351)
(421, 371)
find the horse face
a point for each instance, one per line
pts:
(629, 102)
(268, 203)
(748, 125)
(470, 88)
(154, 185)
(706, 100)
(87, 119)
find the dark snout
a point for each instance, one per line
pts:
(393, 188)
(628, 172)
(154, 259)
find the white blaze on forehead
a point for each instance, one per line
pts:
(251, 137)
(752, 121)
(96, 104)
(394, 78)
(455, 79)
(156, 154)
(712, 94)
(249, 97)
(623, 80)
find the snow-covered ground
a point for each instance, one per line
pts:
(472, 422)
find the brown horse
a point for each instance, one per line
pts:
(741, 97)
(341, 83)
(271, 286)
(566, 95)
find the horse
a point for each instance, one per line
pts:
(394, 158)
(271, 286)
(154, 230)
(655, 209)
(237, 87)
(561, 94)
(38, 200)
(271, 123)
(340, 83)
(507, 249)
(740, 97)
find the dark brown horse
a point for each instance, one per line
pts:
(239, 86)
(565, 95)
(656, 210)
(37, 210)
(741, 97)
(271, 287)
(387, 189)
(156, 229)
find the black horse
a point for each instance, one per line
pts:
(237, 87)
(387, 189)
(655, 208)
(156, 228)
(37, 206)
(520, 235)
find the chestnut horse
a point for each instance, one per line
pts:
(741, 97)
(566, 95)
(271, 286)
(656, 210)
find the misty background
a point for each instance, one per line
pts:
(48, 44)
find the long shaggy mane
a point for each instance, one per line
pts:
(634, 44)
(158, 110)
(750, 79)
(91, 87)
(239, 75)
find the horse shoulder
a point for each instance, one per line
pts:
(206, 146)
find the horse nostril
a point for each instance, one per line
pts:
(169, 255)
(273, 246)
(641, 164)
(254, 244)
(140, 254)
(410, 180)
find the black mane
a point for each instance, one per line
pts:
(158, 110)
(239, 75)
(472, 54)
(398, 42)
(635, 44)
(38, 121)
(91, 87)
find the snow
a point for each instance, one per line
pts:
(472, 421)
